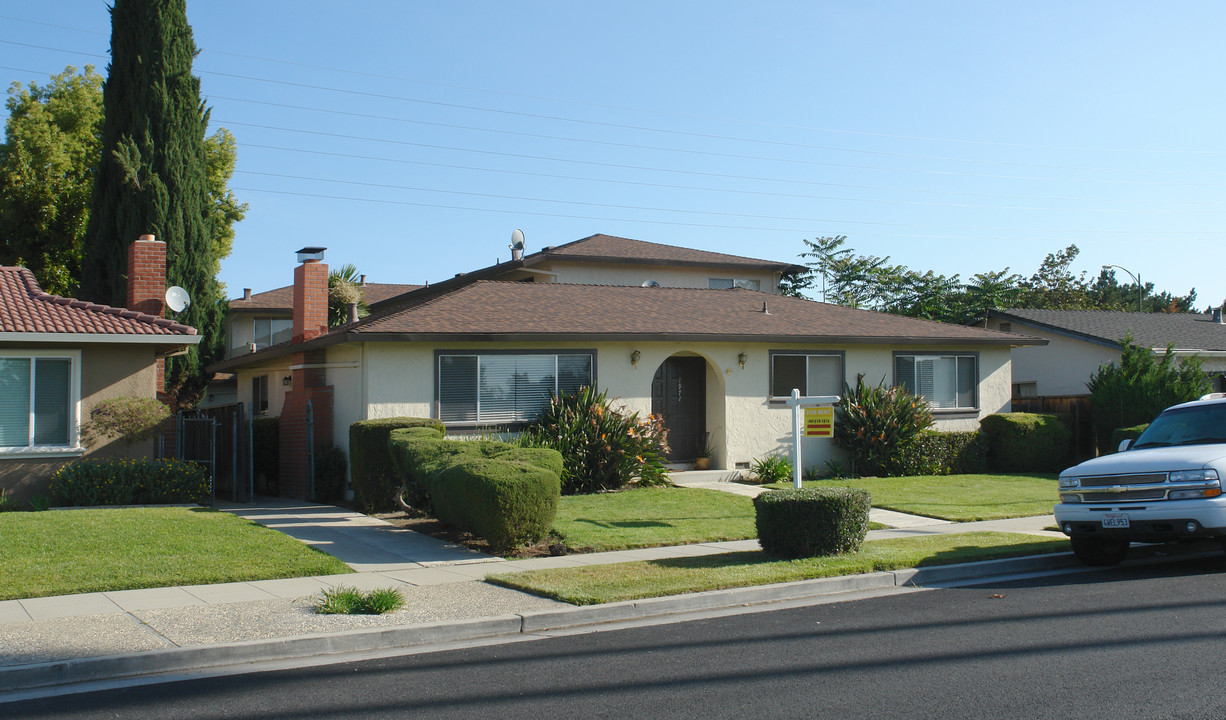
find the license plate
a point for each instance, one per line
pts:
(1115, 520)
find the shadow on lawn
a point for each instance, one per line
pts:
(623, 524)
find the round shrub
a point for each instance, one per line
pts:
(374, 478)
(811, 522)
(124, 481)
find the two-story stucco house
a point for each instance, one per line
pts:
(701, 338)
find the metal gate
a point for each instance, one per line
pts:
(219, 438)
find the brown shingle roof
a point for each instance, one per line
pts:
(25, 308)
(608, 247)
(282, 299)
(492, 308)
(1188, 331)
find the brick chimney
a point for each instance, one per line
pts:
(147, 276)
(310, 295)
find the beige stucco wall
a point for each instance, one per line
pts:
(398, 380)
(276, 371)
(668, 276)
(1062, 367)
(106, 371)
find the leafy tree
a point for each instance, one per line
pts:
(47, 162)
(1141, 386)
(1054, 286)
(344, 287)
(153, 176)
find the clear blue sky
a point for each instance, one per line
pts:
(411, 138)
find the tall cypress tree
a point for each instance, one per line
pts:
(152, 176)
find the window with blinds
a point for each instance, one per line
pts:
(35, 402)
(945, 381)
(506, 388)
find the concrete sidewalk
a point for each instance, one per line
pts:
(72, 638)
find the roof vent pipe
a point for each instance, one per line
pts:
(1217, 315)
(351, 312)
(246, 293)
(765, 309)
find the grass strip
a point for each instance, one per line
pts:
(64, 552)
(959, 498)
(596, 584)
(653, 517)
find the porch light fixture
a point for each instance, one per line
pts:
(740, 360)
(634, 358)
(287, 380)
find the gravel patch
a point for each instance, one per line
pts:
(261, 620)
(84, 636)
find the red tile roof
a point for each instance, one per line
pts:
(282, 299)
(25, 308)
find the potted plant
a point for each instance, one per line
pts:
(702, 459)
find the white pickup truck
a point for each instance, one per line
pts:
(1165, 486)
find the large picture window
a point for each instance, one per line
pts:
(506, 388)
(945, 381)
(37, 402)
(810, 373)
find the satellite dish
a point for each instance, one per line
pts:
(177, 299)
(517, 240)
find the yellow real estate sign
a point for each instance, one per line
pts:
(819, 422)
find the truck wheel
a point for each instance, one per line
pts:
(1098, 551)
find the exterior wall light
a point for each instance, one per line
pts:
(740, 360)
(634, 358)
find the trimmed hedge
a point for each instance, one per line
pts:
(1027, 442)
(374, 478)
(945, 453)
(508, 502)
(503, 493)
(124, 481)
(266, 455)
(1118, 435)
(811, 522)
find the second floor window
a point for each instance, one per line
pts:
(272, 331)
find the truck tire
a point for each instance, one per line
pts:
(1099, 551)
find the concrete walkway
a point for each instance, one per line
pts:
(45, 637)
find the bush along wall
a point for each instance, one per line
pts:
(944, 453)
(125, 481)
(503, 493)
(374, 479)
(811, 522)
(1027, 442)
(329, 474)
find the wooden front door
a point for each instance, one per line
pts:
(679, 395)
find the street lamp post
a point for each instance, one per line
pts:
(1136, 277)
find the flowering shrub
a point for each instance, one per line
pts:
(124, 481)
(131, 418)
(602, 448)
(879, 426)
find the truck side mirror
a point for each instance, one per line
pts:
(1125, 444)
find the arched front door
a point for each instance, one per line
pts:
(679, 395)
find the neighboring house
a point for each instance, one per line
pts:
(487, 349)
(260, 320)
(1082, 340)
(59, 357)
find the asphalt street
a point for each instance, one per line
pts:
(1143, 642)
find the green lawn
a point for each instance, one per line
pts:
(960, 498)
(652, 517)
(591, 585)
(62, 552)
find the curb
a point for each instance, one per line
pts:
(176, 660)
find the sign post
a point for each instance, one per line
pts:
(818, 421)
